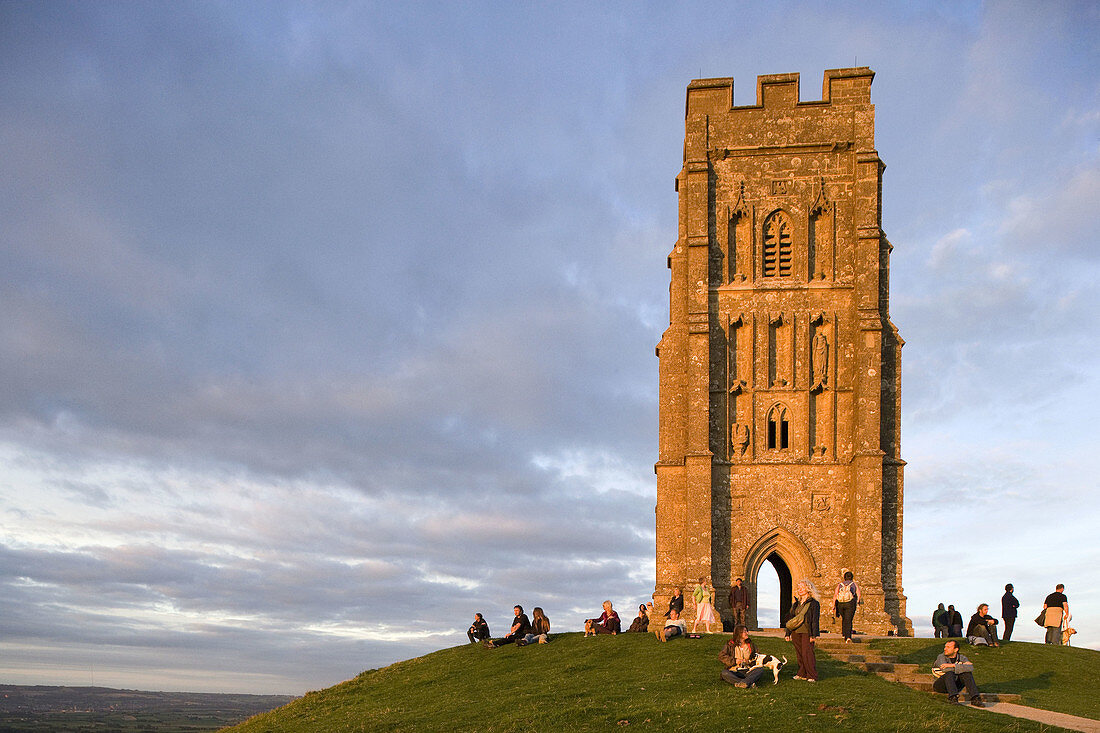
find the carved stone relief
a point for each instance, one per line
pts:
(739, 438)
(820, 361)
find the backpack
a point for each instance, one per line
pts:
(844, 592)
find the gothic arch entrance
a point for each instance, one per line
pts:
(786, 589)
(792, 562)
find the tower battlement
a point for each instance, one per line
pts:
(850, 86)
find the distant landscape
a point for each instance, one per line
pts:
(38, 709)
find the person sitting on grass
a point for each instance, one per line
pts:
(521, 627)
(607, 623)
(982, 628)
(479, 629)
(540, 629)
(641, 621)
(950, 669)
(737, 657)
(674, 627)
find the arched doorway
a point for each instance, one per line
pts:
(790, 558)
(785, 598)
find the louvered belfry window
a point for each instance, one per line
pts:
(777, 245)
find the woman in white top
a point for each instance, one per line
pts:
(704, 605)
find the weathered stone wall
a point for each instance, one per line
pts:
(780, 368)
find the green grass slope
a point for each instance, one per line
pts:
(603, 683)
(1063, 679)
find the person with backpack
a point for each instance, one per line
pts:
(845, 600)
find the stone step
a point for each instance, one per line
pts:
(926, 685)
(838, 640)
(891, 667)
(865, 658)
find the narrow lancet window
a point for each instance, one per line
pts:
(779, 430)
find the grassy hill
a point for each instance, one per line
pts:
(603, 683)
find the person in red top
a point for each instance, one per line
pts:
(607, 623)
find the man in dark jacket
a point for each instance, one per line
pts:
(479, 629)
(739, 602)
(1009, 604)
(954, 622)
(982, 626)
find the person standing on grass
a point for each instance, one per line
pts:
(1055, 614)
(939, 621)
(802, 630)
(950, 669)
(737, 657)
(704, 605)
(479, 629)
(954, 622)
(739, 602)
(1009, 604)
(845, 599)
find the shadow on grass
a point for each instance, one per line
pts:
(1042, 681)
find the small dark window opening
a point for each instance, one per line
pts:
(779, 430)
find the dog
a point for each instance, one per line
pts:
(767, 660)
(1066, 633)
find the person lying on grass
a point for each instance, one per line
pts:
(674, 627)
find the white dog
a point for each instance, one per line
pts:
(767, 660)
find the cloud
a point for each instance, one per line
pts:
(326, 327)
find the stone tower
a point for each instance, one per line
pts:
(780, 369)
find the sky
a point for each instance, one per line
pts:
(327, 325)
